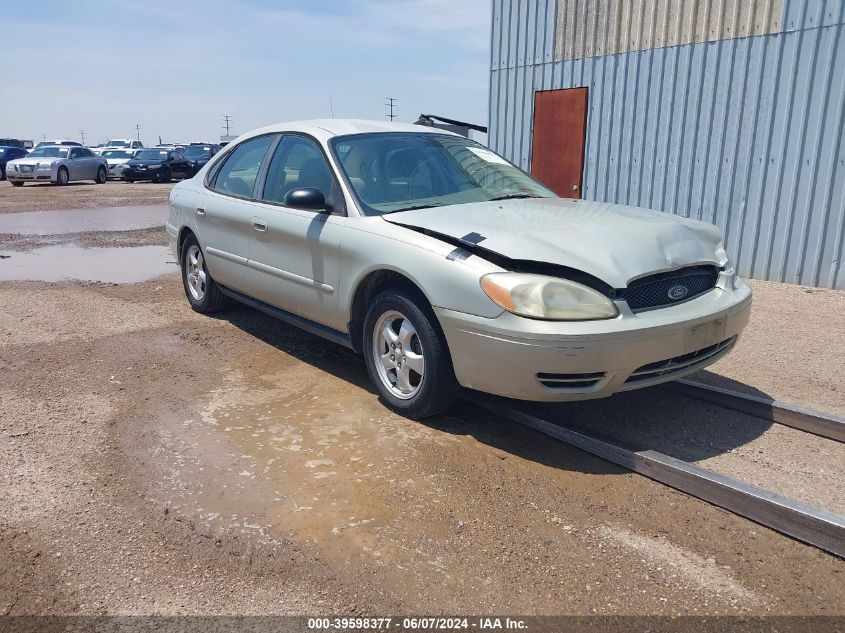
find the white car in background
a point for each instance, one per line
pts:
(117, 159)
(120, 143)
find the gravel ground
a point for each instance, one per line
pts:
(80, 195)
(153, 460)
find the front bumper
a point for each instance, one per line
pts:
(555, 361)
(141, 174)
(116, 171)
(13, 172)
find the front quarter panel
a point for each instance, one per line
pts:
(370, 244)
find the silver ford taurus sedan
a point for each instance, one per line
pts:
(447, 266)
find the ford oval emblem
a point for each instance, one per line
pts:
(677, 292)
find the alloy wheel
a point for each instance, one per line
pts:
(398, 355)
(195, 272)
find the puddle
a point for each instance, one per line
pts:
(301, 458)
(127, 265)
(83, 220)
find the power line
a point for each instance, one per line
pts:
(226, 119)
(389, 104)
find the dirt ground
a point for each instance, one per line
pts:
(153, 460)
(80, 195)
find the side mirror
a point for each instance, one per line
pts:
(306, 198)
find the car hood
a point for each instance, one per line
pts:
(615, 243)
(35, 160)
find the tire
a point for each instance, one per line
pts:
(102, 176)
(128, 180)
(2, 173)
(62, 177)
(164, 176)
(403, 388)
(202, 292)
(17, 183)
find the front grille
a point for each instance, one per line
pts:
(653, 292)
(570, 381)
(679, 363)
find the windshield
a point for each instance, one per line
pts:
(54, 152)
(117, 143)
(197, 151)
(398, 171)
(151, 154)
(116, 153)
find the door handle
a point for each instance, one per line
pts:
(259, 225)
(200, 210)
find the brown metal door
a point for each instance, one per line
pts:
(560, 131)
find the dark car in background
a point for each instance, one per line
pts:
(158, 165)
(200, 153)
(12, 142)
(8, 153)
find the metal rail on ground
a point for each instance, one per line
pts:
(817, 527)
(798, 417)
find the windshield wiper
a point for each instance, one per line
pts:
(512, 196)
(413, 208)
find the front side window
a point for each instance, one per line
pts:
(298, 162)
(398, 171)
(237, 175)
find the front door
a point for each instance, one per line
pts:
(294, 252)
(558, 140)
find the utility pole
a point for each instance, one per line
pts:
(226, 120)
(389, 104)
(138, 131)
(82, 134)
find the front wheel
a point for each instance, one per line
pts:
(62, 178)
(17, 183)
(407, 356)
(102, 176)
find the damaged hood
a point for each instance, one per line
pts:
(613, 242)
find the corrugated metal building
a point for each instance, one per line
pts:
(729, 111)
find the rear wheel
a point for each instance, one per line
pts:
(203, 293)
(62, 178)
(2, 173)
(17, 183)
(102, 176)
(407, 356)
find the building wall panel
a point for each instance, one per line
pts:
(691, 115)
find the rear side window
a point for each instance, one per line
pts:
(237, 175)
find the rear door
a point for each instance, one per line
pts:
(225, 209)
(558, 139)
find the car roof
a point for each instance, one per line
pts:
(340, 127)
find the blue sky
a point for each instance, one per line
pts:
(175, 67)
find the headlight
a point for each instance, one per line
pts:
(550, 298)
